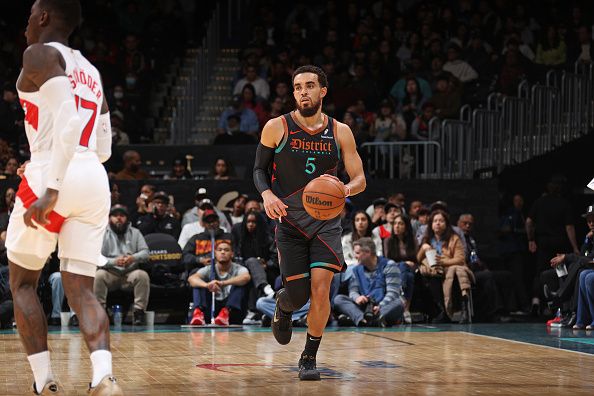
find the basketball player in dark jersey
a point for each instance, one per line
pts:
(298, 147)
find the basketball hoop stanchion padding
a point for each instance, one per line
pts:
(213, 274)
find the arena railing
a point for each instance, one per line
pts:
(199, 70)
(405, 160)
(510, 130)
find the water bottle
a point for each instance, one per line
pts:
(117, 316)
(190, 311)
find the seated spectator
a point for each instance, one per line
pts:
(260, 85)
(198, 249)
(114, 190)
(228, 283)
(413, 214)
(388, 126)
(132, 170)
(119, 137)
(9, 199)
(585, 308)
(233, 134)
(439, 205)
(376, 212)
(385, 230)
(10, 170)
(458, 67)
(422, 219)
(359, 133)
(402, 247)
(125, 249)
(512, 72)
(410, 106)
(237, 212)
(361, 229)
(551, 50)
(374, 290)
(449, 262)
(564, 290)
(448, 97)
(162, 218)
(496, 289)
(144, 202)
(400, 89)
(201, 199)
(248, 120)
(222, 170)
(248, 97)
(179, 170)
(419, 129)
(282, 92)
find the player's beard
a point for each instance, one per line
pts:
(311, 110)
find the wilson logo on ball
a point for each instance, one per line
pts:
(317, 201)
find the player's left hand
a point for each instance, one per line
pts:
(40, 209)
(21, 170)
(344, 187)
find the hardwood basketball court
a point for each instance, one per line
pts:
(520, 359)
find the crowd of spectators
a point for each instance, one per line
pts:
(392, 66)
(407, 260)
(131, 43)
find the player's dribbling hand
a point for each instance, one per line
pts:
(274, 207)
(40, 209)
(21, 170)
(346, 190)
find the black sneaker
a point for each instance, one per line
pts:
(307, 369)
(139, 318)
(345, 321)
(282, 323)
(73, 321)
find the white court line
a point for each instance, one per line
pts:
(528, 343)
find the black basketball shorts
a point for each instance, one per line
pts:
(298, 254)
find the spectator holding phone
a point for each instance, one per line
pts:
(162, 218)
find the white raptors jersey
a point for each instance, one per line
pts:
(86, 86)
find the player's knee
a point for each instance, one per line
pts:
(320, 290)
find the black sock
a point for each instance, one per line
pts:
(311, 345)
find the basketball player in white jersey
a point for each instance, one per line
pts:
(64, 194)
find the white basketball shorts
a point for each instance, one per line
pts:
(78, 220)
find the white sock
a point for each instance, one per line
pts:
(101, 361)
(268, 291)
(42, 369)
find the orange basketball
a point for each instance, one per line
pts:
(323, 198)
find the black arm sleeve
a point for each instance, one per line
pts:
(264, 157)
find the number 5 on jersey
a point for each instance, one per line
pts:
(310, 167)
(89, 126)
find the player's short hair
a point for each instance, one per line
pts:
(322, 78)
(69, 11)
